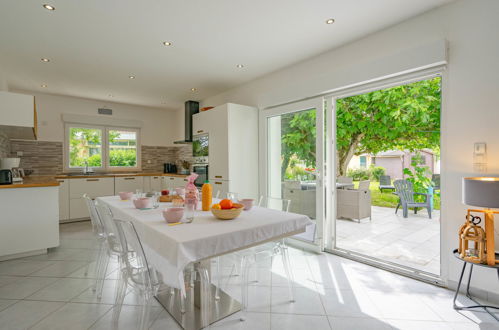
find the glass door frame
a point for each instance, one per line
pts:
(330, 224)
(316, 103)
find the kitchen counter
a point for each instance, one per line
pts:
(33, 181)
(111, 175)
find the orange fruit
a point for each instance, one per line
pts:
(226, 204)
(216, 207)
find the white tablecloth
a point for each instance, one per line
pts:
(171, 248)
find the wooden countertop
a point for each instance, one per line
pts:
(33, 181)
(117, 175)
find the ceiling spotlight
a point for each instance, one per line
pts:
(48, 7)
(45, 60)
(330, 21)
(193, 89)
(240, 66)
(167, 43)
(43, 86)
(111, 95)
(131, 77)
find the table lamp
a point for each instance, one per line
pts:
(484, 192)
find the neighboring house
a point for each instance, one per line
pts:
(394, 161)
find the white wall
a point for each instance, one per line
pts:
(470, 94)
(160, 126)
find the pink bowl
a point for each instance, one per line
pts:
(173, 214)
(125, 195)
(247, 203)
(142, 203)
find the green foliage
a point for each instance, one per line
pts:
(372, 173)
(298, 134)
(420, 176)
(404, 117)
(123, 157)
(359, 174)
(80, 142)
(376, 172)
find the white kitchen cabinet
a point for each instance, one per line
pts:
(63, 199)
(18, 115)
(155, 183)
(94, 187)
(220, 188)
(128, 183)
(172, 182)
(233, 147)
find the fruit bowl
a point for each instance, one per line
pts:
(228, 214)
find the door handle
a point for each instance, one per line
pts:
(129, 178)
(92, 179)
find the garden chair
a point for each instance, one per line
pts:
(354, 203)
(405, 192)
(364, 185)
(344, 179)
(385, 182)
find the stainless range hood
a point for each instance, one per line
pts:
(191, 108)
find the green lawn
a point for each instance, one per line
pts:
(387, 199)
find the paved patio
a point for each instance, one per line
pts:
(414, 241)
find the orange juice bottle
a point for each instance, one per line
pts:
(206, 196)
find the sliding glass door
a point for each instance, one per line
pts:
(385, 153)
(293, 157)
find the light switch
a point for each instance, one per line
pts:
(480, 148)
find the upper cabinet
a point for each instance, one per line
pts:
(18, 117)
(232, 146)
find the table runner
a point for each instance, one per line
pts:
(171, 248)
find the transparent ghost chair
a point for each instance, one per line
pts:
(99, 232)
(112, 246)
(138, 274)
(250, 257)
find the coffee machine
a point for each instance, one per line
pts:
(12, 164)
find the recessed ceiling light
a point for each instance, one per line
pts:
(43, 85)
(111, 95)
(193, 89)
(45, 60)
(330, 21)
(48, 7)
(167, 43)
(131, 77)
(240, 66)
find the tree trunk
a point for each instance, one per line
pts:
(344, 158)
(284, 165)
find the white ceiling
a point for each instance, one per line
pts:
(94, 45)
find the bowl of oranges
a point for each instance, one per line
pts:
(226, 209)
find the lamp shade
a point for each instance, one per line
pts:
(481, 192)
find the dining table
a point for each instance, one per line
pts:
(173, 249)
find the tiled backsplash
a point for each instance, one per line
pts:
(46, 158)
(4, 145)
(43, 157)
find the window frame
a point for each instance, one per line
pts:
(106, 167)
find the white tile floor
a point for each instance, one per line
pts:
(413, 241)
(52, 292)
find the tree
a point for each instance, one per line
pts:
(298, 133)
(402, 117)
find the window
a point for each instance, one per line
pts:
(363, 161)
(102, 148)
(418, 159)
(122, 148)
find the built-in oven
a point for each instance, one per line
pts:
(202, 171)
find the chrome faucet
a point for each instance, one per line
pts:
(85, 169)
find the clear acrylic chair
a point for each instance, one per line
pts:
(250, 257)
(138, 274)
(98, 230)
(112, 246)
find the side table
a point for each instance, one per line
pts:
(478, 305)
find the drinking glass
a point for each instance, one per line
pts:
(138, 193)
(189, 211)
(232, 196)
(155, 199)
